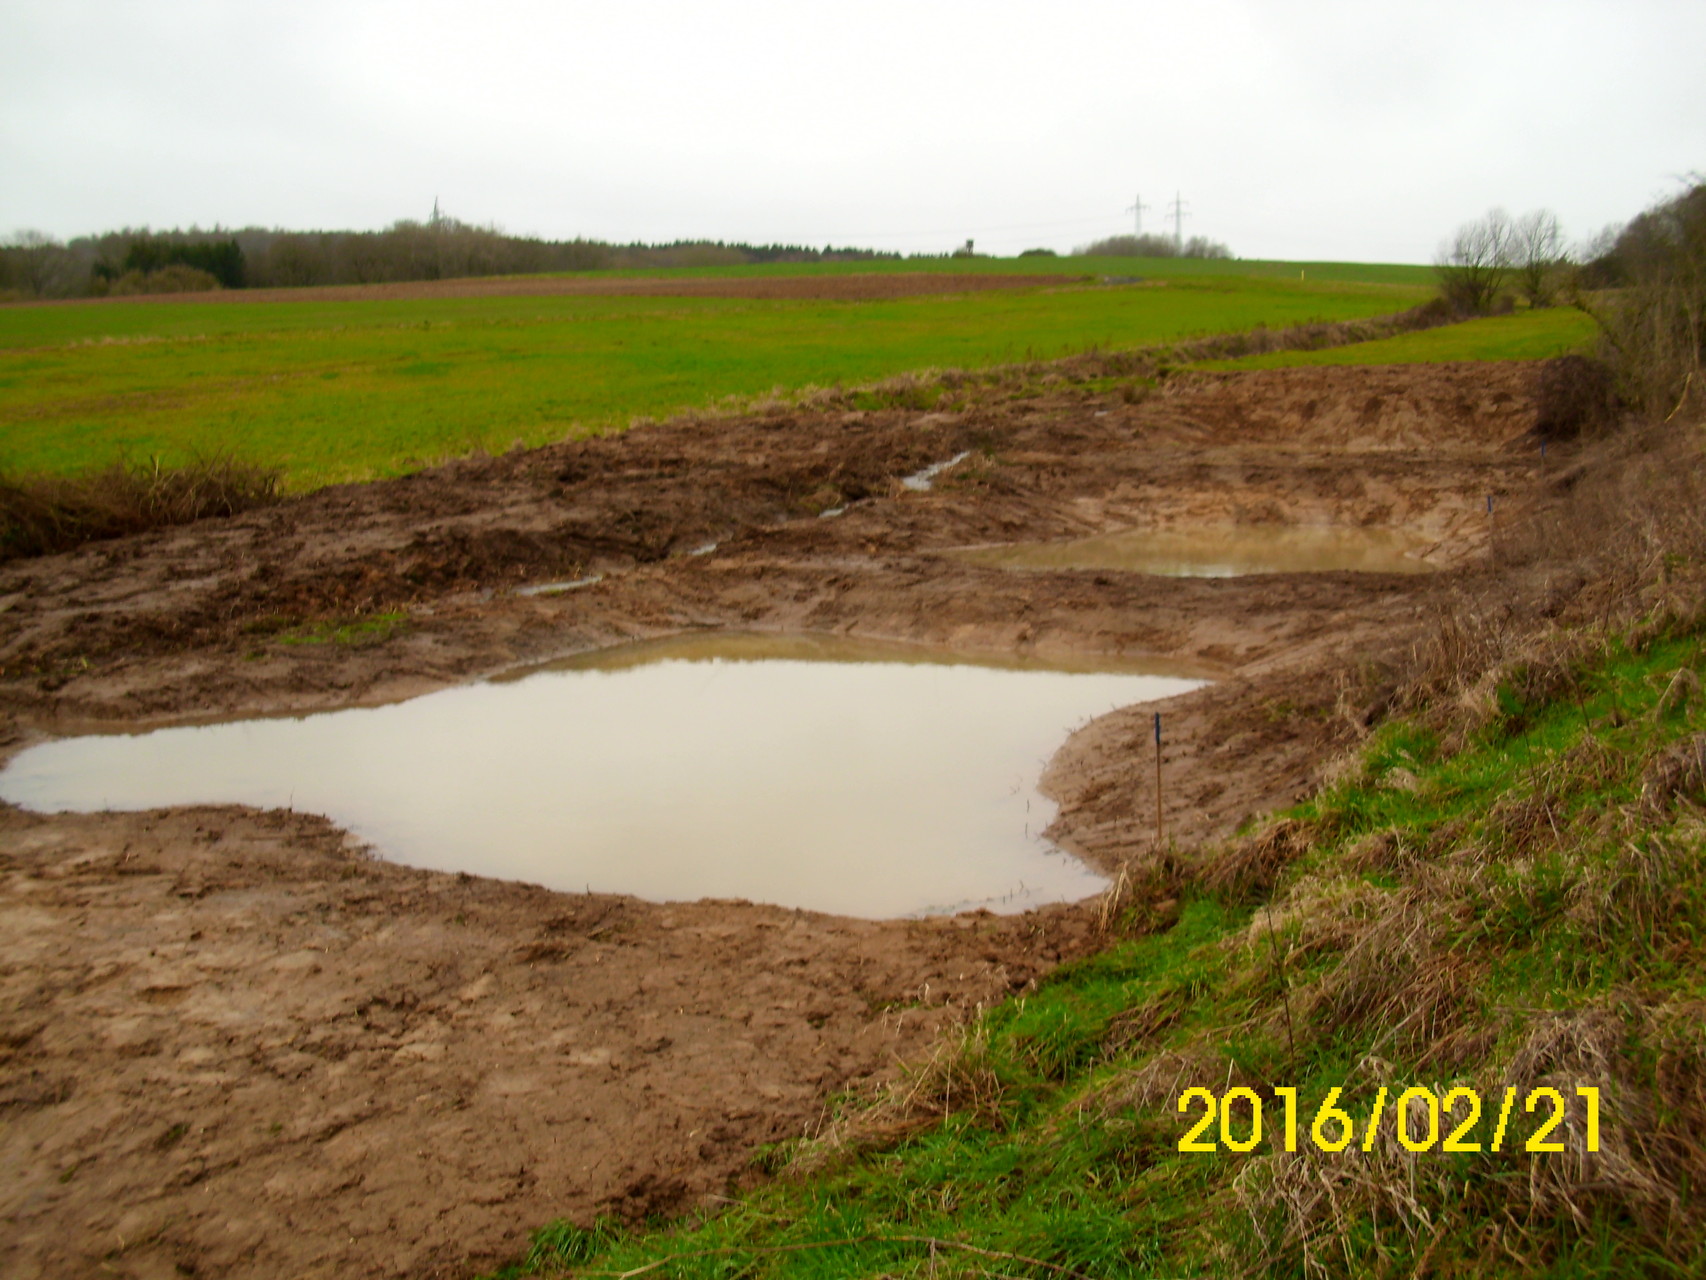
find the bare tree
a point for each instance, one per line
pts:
(40, 264)
(1538, 253)
(1473, 265)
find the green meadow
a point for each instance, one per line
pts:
(1522, 335)
(351, 389)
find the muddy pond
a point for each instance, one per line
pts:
(858, 778)
(1221, 552)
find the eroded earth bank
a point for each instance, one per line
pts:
(235, 1043)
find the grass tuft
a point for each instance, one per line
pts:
(45, 513)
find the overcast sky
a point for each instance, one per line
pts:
(1310, 129)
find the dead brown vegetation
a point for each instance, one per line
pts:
(958, 1078)
(1655, 325)
(43, 514)
(1616, 540)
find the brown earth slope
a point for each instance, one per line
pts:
(233, 1044)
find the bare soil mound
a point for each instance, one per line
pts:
(233, 1044)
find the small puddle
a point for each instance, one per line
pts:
(921, 480)
(1228, 551)
(557, 588)
(859, 778)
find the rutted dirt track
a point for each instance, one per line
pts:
(232, 1044)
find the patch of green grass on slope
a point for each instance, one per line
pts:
(1506, 898)
(1523, 335)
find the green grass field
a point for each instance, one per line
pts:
(351, 389)
(1524, 335)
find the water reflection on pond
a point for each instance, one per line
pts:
(1227, 551)
(859, 778)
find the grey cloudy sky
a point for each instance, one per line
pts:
(1346, 129)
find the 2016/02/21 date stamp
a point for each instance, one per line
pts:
(1419, 1117)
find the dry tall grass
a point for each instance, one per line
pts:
(1614, 547)
(43, 514)
(958, 1078)
(1613, 542)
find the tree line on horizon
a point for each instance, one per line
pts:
(34, 265)
(135, 261)
(1153, 246)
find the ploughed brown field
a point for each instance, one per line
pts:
(233, 1043)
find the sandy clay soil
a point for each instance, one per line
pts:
(234, 1044)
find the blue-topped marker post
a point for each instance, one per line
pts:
(1159, 830)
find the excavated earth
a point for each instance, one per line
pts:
(234, 1043)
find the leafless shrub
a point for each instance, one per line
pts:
(1473, 265)
(1655, 327)
(1574, 397)
(1537, 251)
(36, 265)
(43, 514)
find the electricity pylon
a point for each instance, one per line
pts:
(1138, 207)
(1178, 224)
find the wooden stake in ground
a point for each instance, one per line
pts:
(1160, 830)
